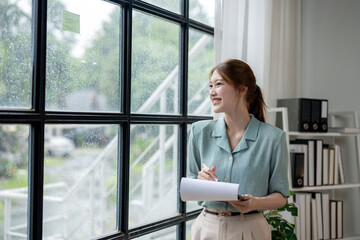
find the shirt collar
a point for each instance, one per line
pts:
(251, 134)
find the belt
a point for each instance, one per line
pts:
(228, 214)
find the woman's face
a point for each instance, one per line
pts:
(222, 95)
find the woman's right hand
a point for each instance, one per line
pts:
(208, 174)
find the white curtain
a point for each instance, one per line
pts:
(265, 34)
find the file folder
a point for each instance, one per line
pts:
(315, 115)
(324, 116)
(305, 114)
(297, 169)
(299, 113)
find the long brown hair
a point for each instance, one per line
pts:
(239, 74)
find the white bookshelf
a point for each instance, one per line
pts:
(326, 187)
(351, 237)
(322, 134)
(332, 137)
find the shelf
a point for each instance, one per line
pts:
(333, 190)
(322, 134)
(326, 187)
(356, 237)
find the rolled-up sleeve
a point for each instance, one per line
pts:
(193, 156)
(278, 181)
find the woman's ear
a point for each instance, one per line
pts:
(243, 90)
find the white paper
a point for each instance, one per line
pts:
(202, 190)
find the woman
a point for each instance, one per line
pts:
(238, 148)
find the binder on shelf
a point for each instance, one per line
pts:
(305, 114)
(299, 114)
(324, 116)
(297, 169)
(315, 115)
(319, 115)
(301, 147)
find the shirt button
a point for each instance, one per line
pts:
(230, 158)
(226, 179)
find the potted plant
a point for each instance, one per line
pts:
(282, 229)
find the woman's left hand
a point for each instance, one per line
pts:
(247, 204)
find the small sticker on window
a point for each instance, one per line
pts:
(71, 22)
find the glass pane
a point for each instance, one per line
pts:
(155, 65)
(165, 234)
(191, 205)
(188, 229)
(202, 11)
(15, 54)
(14, 161)
(83, 54)
(153, 173)
(171, 5)
(201, 60)
(80, 182)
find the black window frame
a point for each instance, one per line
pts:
(37, 117)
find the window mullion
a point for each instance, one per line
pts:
(36, 180)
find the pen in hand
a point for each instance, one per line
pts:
(208, 168)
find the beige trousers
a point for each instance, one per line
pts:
(243, 227)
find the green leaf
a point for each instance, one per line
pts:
(282, 228)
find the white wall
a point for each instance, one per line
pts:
(331, 52)
(330, 69)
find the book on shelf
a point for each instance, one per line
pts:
(325, 164)
(336, 171)
(341, 168)
(326, 215)
(336, 163)
(301, 147)
(340, 219)
(311, 164)
(331, 165)
(300, 219)
(333, 219)
(308, 215)
(297, 222)
(318, 162)
(318, 200)
(344, 129)
(314, 219)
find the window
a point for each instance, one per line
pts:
(96, 102)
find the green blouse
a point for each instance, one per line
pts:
(259, 163)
